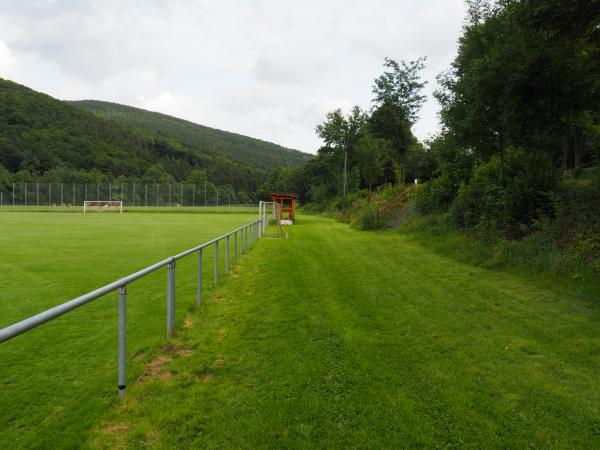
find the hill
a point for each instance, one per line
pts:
(253, 152)
(45, 139)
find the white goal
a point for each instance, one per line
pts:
(102, 205)
(269, 210)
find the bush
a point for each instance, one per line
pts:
(493, 210)
(377, 209)
(435, 196)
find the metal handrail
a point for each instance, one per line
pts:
(247, 235)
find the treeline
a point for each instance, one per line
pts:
(520, 126)
(365, 149)
(520, 111)
(242, 149)
(46, 140)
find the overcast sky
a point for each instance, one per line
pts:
(270, 69)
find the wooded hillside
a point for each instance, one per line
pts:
(45, 139)
(250, 151)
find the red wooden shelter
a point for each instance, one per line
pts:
(287, 201)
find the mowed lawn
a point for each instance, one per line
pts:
(337, 338)
(56, 380)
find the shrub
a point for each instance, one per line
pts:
(435, 196)
(492, 209)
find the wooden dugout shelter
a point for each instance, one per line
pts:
(287, 203)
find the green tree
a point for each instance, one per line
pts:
(341, 134)
(371, 156)
(398, 99)
(401, 85)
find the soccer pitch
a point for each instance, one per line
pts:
(62, 374)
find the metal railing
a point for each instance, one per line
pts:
(243, 238)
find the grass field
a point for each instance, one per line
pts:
(57, 379)
(221, 209)
(334, 338)
(337, 338)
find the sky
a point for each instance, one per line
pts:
(269, 69)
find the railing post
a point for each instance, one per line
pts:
(235, 248)
(227, 254)
(260, 209)
(199, 288)
(170, 298)
(246, 238)
(122, 341)
(216, 274)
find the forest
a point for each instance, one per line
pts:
(520, 116)
(43, 139)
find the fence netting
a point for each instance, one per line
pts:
(131, 194)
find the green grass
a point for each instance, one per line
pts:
(221, 209)
(334, 338)
(338, 338)
(56, 380)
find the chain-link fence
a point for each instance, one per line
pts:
(140, 196)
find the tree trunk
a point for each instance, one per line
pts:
(565, 153)
(577, 150)
(502, 151)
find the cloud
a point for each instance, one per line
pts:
(267, 68)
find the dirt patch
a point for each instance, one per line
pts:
(206, 377)
(139, 357)
(170, 349)
(153, 369)
(175, 349)
(219, 362)
(115, 427)
(151, 438)
(184, 352)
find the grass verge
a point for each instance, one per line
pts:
(338, 338)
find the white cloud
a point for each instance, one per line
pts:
(9, 67)
(267, 68)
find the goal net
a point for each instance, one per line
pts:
(269, 212)
(102, 205)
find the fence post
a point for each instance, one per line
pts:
(227, 254)
(170, 298)
(199, 288)
(122, 341)
(235, 248)
(261, 206)
(216, 274)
